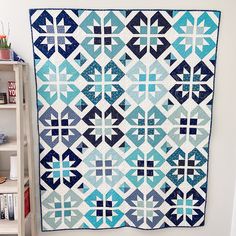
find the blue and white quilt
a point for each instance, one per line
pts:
(124, 103)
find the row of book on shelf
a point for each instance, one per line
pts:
(9, 205)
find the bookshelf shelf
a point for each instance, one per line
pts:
(21, 144)
(10, 186)
(8, 106)
(8, 227)
(12, 63)
(11, 145)
(9, 65)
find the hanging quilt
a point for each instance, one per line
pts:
(124, 102)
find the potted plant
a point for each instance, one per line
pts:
(5, 46)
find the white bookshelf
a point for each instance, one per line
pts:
(21, 145)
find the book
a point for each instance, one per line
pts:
(12, 91)
(15, 201)
(10, 206)
(6, 207)
(2, 207)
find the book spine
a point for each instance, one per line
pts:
(6, 207)
(15, 206)
(10, 206)
(2, 207)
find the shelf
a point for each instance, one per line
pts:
(12, 63)
(10, 186)
(9, 65)
(11, 145)
(8, 227)
(8, 106)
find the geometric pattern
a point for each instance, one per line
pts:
(124, 103)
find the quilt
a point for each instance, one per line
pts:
(124, 101)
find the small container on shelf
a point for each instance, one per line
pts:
(6, 54)
(3, 98)
(3, 179)
(12, 92)
(3, 138)
(13, 167)
(5, 48)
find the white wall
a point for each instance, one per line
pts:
(222, 150)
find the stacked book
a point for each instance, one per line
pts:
(3, 138)
(9, 205)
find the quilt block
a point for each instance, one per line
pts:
(124, 102)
